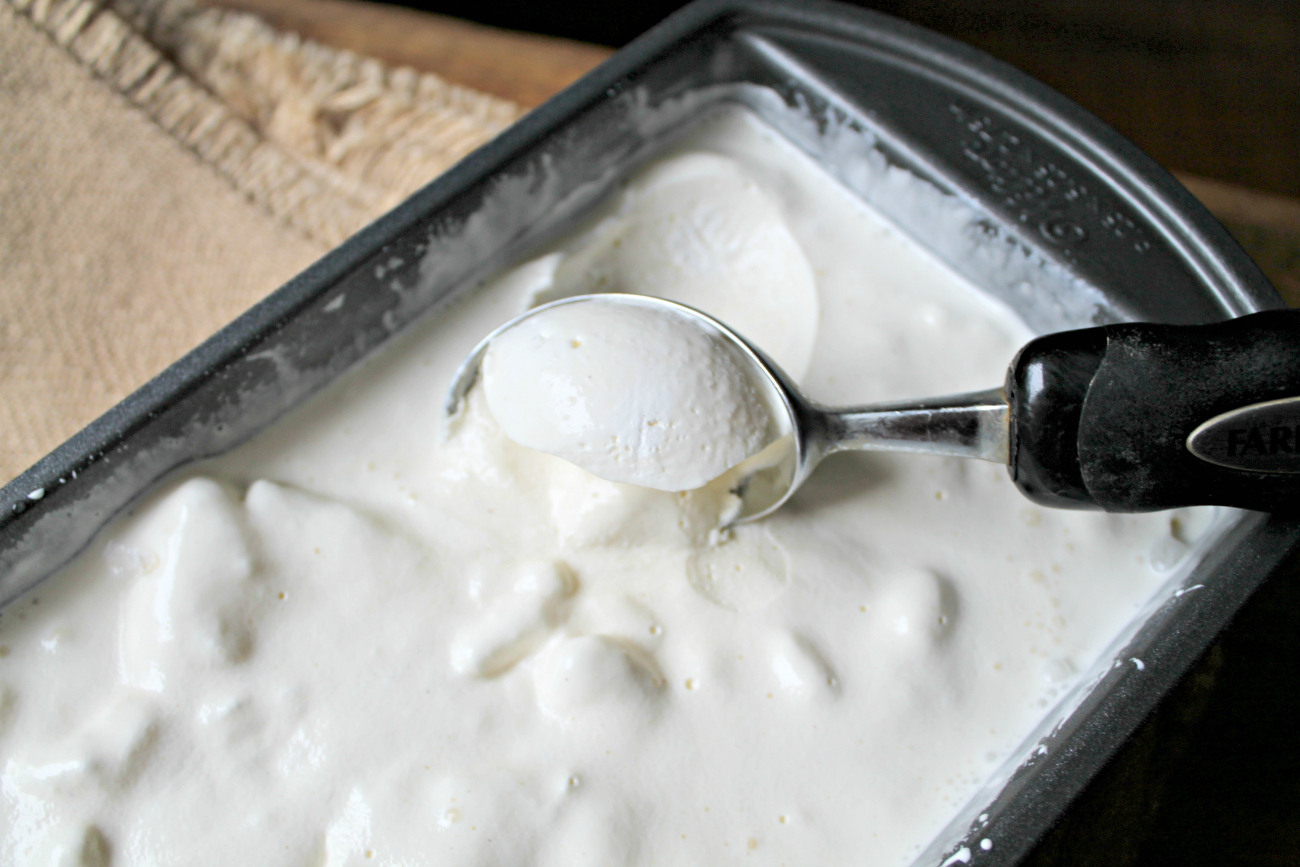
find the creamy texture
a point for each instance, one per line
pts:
(350, 642)
(701, 230)
(634, 394)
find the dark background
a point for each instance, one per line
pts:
(1209, 87)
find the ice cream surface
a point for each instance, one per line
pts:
(636, 394)
(354, 642)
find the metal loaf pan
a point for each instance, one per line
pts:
(1032, 198)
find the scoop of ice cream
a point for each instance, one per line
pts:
(631, 393)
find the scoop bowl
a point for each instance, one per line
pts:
(971, 425)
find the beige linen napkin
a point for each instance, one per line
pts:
(163, 167)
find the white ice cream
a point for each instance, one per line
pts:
(352, 643)
(702, 230)
(641, 395)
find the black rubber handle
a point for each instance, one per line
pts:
(1100, 417)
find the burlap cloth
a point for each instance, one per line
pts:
(164, 166)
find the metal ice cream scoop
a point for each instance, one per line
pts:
(1128, 417)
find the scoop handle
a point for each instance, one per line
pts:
(1101, 418)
